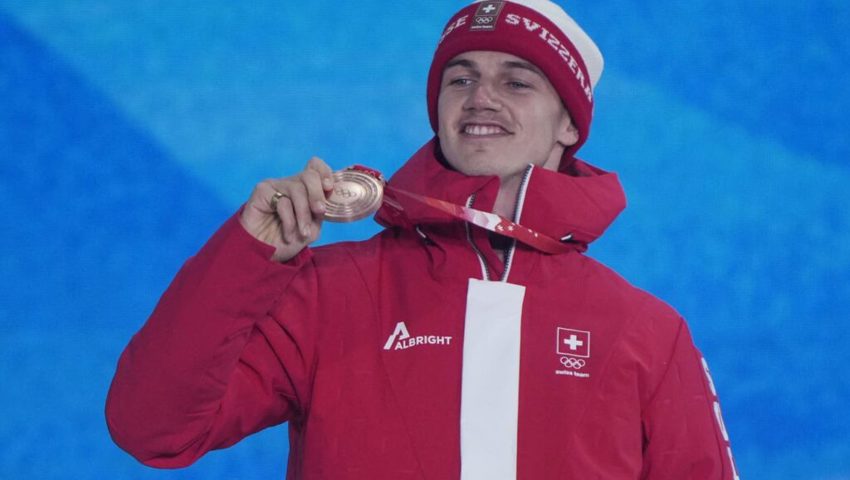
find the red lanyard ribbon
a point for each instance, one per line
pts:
(486, 220)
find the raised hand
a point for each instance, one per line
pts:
(287, 213)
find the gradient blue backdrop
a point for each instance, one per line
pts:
(130, 129)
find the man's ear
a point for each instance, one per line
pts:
(568, 134)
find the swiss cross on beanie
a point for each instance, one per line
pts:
(538, 31)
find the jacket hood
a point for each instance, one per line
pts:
(580, 200)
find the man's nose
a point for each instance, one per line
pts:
(483, 97)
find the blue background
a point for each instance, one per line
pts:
(130, 129)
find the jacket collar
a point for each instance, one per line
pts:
(581, 200)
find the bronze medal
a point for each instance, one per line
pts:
(356, 195)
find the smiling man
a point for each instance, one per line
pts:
(453, 344)
(498, 114)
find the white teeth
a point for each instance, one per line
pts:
(482, 130)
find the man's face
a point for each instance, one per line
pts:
(498, 113)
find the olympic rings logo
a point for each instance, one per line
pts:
(345, 193)
(484, 20)
(575, 363)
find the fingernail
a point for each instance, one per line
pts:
(305, 231)
(328, 183)
(320, 206)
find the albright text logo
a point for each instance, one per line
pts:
(401, 339)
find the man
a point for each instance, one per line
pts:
(437, 349)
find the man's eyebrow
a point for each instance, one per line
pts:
(460, 62)
(508, 64)
(523, 65)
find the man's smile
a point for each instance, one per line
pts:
(483, 130)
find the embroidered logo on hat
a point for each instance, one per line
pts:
(486, 16)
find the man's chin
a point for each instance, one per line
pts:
(483, 142)
(480, 165)
(481, 150)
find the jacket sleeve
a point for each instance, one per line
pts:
(201, 373)
(685, 438)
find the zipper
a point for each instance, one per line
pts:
(508, 252)
(520, 202)
(485, 272)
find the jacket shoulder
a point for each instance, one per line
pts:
(644, 305)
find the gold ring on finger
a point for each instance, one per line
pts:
(276, 198)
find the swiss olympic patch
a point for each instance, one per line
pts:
(486, 16)
(573, 349)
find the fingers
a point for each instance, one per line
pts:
(288, 224)
(288, 212)
(315, 192)
(325, 173)
(302, 207)
(300, 199)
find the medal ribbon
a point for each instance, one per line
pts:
(486, 220)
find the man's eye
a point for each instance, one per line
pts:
(462, 82)
(518, 85)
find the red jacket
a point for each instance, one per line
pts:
(392, 358)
